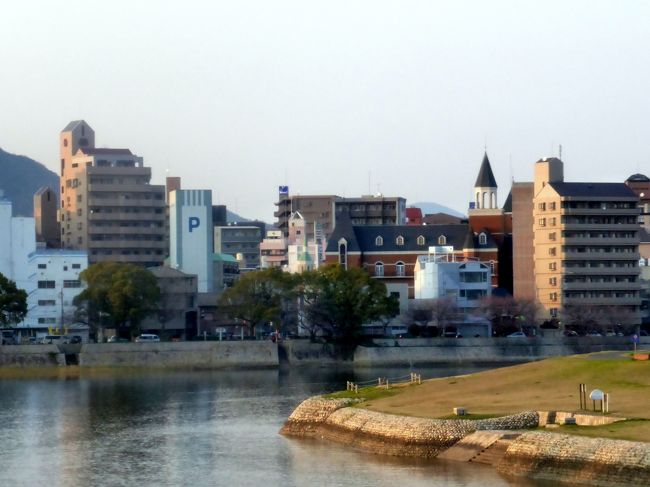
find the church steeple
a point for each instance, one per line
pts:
(485, 187)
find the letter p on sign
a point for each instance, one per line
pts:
(194, 222)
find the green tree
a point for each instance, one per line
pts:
(340, 301)
(257, 297)
(118, 294)
(13, 302)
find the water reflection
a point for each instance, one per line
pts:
(194, 428)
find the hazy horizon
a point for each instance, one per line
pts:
(335, 97)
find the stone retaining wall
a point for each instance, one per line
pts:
(209, 355)
(409, 352)
(30, 356)
(387, 433)
(590, 461)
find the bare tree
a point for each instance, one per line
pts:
(583, 318)
(441, 311)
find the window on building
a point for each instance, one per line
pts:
(343, 254)
(72, 283)
(442, 240)
(542, 222)
(46, 321)
(553, 312)
(421, 240)
(552, 236)
(379, 269)
(553, 296)
(379, 241)
(552, 251)
(551, 206)
(399, 240)
(482, 239)
(46, 284)
(542, 206)
(552, 221)
(76, 266)
(42, 266)
(46, 302)
(79, 211)
(552, 266)
(400, 269)
(553, 281)
(79, 198)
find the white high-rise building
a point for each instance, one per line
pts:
(191, 237)
(50, 277)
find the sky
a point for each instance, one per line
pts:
(336, 97)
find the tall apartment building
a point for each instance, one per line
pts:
(108, 205)
(320, 211)
(586, 244)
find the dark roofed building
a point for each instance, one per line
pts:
(389, 252)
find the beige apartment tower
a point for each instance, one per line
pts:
(108, 205)
(586, 247)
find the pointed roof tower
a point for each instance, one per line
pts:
(485, 177)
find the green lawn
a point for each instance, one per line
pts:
(545, 385)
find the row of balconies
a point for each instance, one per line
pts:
(122, 202)
(93, 229)
(614, 286)
(636, 301)
(125, 188)
(610, 271)
(599, 226)
(127, 244)
(601, 211)
(120, 216)
(598, 240)
(601, 256)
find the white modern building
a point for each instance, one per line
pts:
(54, 283)
(191, 237)
(303, 253)
(50, 277)
(439, 275)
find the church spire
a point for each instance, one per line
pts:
(485, 187)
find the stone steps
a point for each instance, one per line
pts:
(493, 454)
(487, 447)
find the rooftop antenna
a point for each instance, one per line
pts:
(560, 156)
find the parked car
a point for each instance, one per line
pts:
(116, 339)
(570, 333)
(517, 334)
(147, 338)
(75, 339)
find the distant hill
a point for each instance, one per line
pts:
(430, 208)
(20, 178)
(234, 217)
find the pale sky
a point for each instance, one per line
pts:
(333, 97)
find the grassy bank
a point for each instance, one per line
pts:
(545, 385)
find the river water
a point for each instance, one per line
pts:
(196, 428)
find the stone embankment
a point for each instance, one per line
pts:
(575, 459)
(387, 433)
(498, 441)
(31, 356)
(205, 355)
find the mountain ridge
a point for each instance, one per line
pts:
(20, 178)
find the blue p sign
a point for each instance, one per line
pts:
(194, 222)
